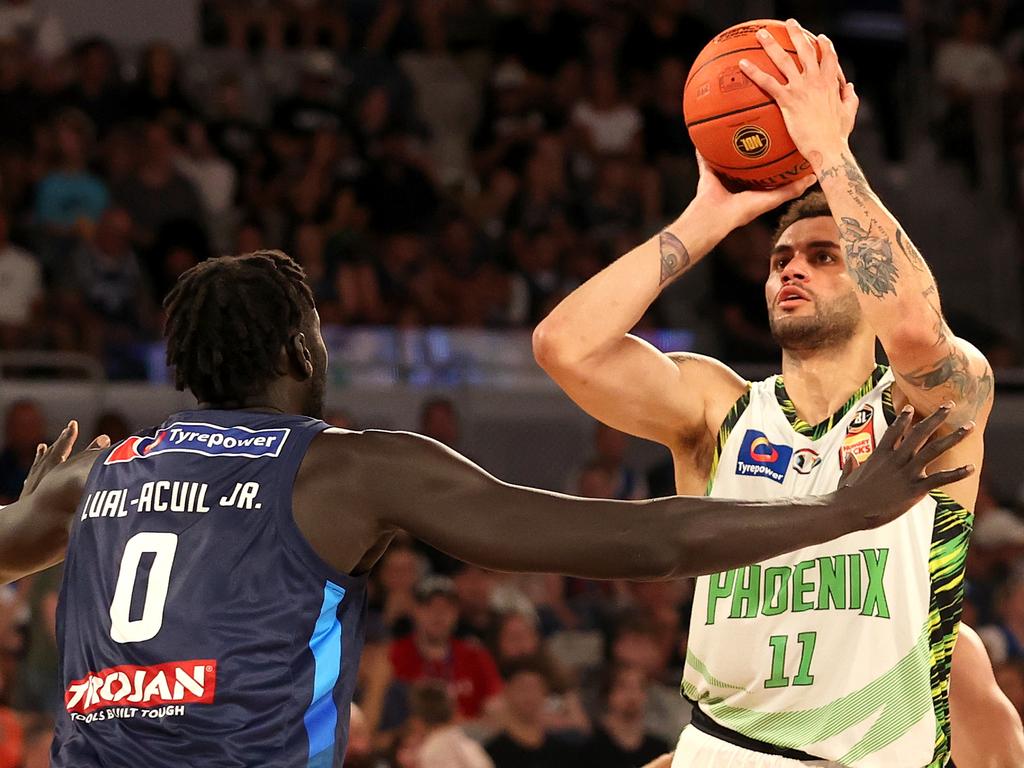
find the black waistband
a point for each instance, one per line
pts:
(702, 722)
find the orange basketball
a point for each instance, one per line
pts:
(734, 124)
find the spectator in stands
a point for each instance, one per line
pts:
(213, 177)
(439, 419)
(37, 688)
(524, 739)
(516, 638)
(635, 644)
(973, 75)
(609, 124)
(1005, 638)
(394, 602)
(96, 87)
(21, 289)
(107, 275)
(157, 194)
(432, 652)
(70, 196)
(158, 92)
(24, 430)
(35, 24)
(609, 454)
(445, 744)
(621, 739)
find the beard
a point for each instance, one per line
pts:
(832, 324)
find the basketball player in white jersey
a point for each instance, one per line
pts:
(837, 654)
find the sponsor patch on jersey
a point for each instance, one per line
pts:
(204, 439)
(175, 682)
(860, 419)
(860, 437)
(805, 461)
(860, 445)
(759, 457)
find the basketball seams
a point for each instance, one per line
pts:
(696, 71)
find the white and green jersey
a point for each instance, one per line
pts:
(840, 650)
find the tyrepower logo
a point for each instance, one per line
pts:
(204, 439)
(759, 457)
(176, 682)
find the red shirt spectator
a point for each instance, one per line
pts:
(432, 653)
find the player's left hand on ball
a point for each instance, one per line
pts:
(740, 208)
(893, 478)
(48, 457)
(817, 103)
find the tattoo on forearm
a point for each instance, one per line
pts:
(910, 251)
(859, 189)
(674, 256)
(869, 259)
(969, 390)
(828, 173)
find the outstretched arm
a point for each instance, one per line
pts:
(896, 289)
(986, 729)
(34, 529)
(440, 497)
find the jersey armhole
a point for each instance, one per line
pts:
(725, 430)
(284, 519)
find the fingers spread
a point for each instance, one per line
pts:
(804, 49)
(917, 436)
(936, 447)
(897, 430)
(780, 58)
(762, 79)
(946, 476)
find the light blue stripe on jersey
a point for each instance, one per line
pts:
(321, 718)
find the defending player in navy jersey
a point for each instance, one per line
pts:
(215, 566)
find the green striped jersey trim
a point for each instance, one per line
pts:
(724, 431)
(818, 431)
(897, 700)
(947, 556)
(947, 560)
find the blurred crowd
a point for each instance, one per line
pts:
(456, 163)
(465, 668)
(429, 162)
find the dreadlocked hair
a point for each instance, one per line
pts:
(227, 319)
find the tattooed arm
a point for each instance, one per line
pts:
(585, 343)
(896, 289)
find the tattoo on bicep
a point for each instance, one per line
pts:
(910, 251)
(869, 259)
(674, 256)
(969, 390)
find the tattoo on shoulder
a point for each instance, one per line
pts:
(869, 259)
(910, 251)
(674, 256)
(969, 390)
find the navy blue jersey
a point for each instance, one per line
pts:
(196, 625)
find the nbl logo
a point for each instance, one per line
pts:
(752, 141)
(759, 457)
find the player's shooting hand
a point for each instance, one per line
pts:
(817, 103)
(739, 208)
(48, 457)
(893, 479)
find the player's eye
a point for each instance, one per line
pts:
(826, 257)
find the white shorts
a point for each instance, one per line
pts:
(697, 749)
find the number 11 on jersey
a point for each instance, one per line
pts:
(778, 645)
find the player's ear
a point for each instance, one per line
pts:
(299, 360)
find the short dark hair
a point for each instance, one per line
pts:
(227, 319)
(432, 703)
(810, 206)
(527, 665)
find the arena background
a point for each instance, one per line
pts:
(445, 171)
